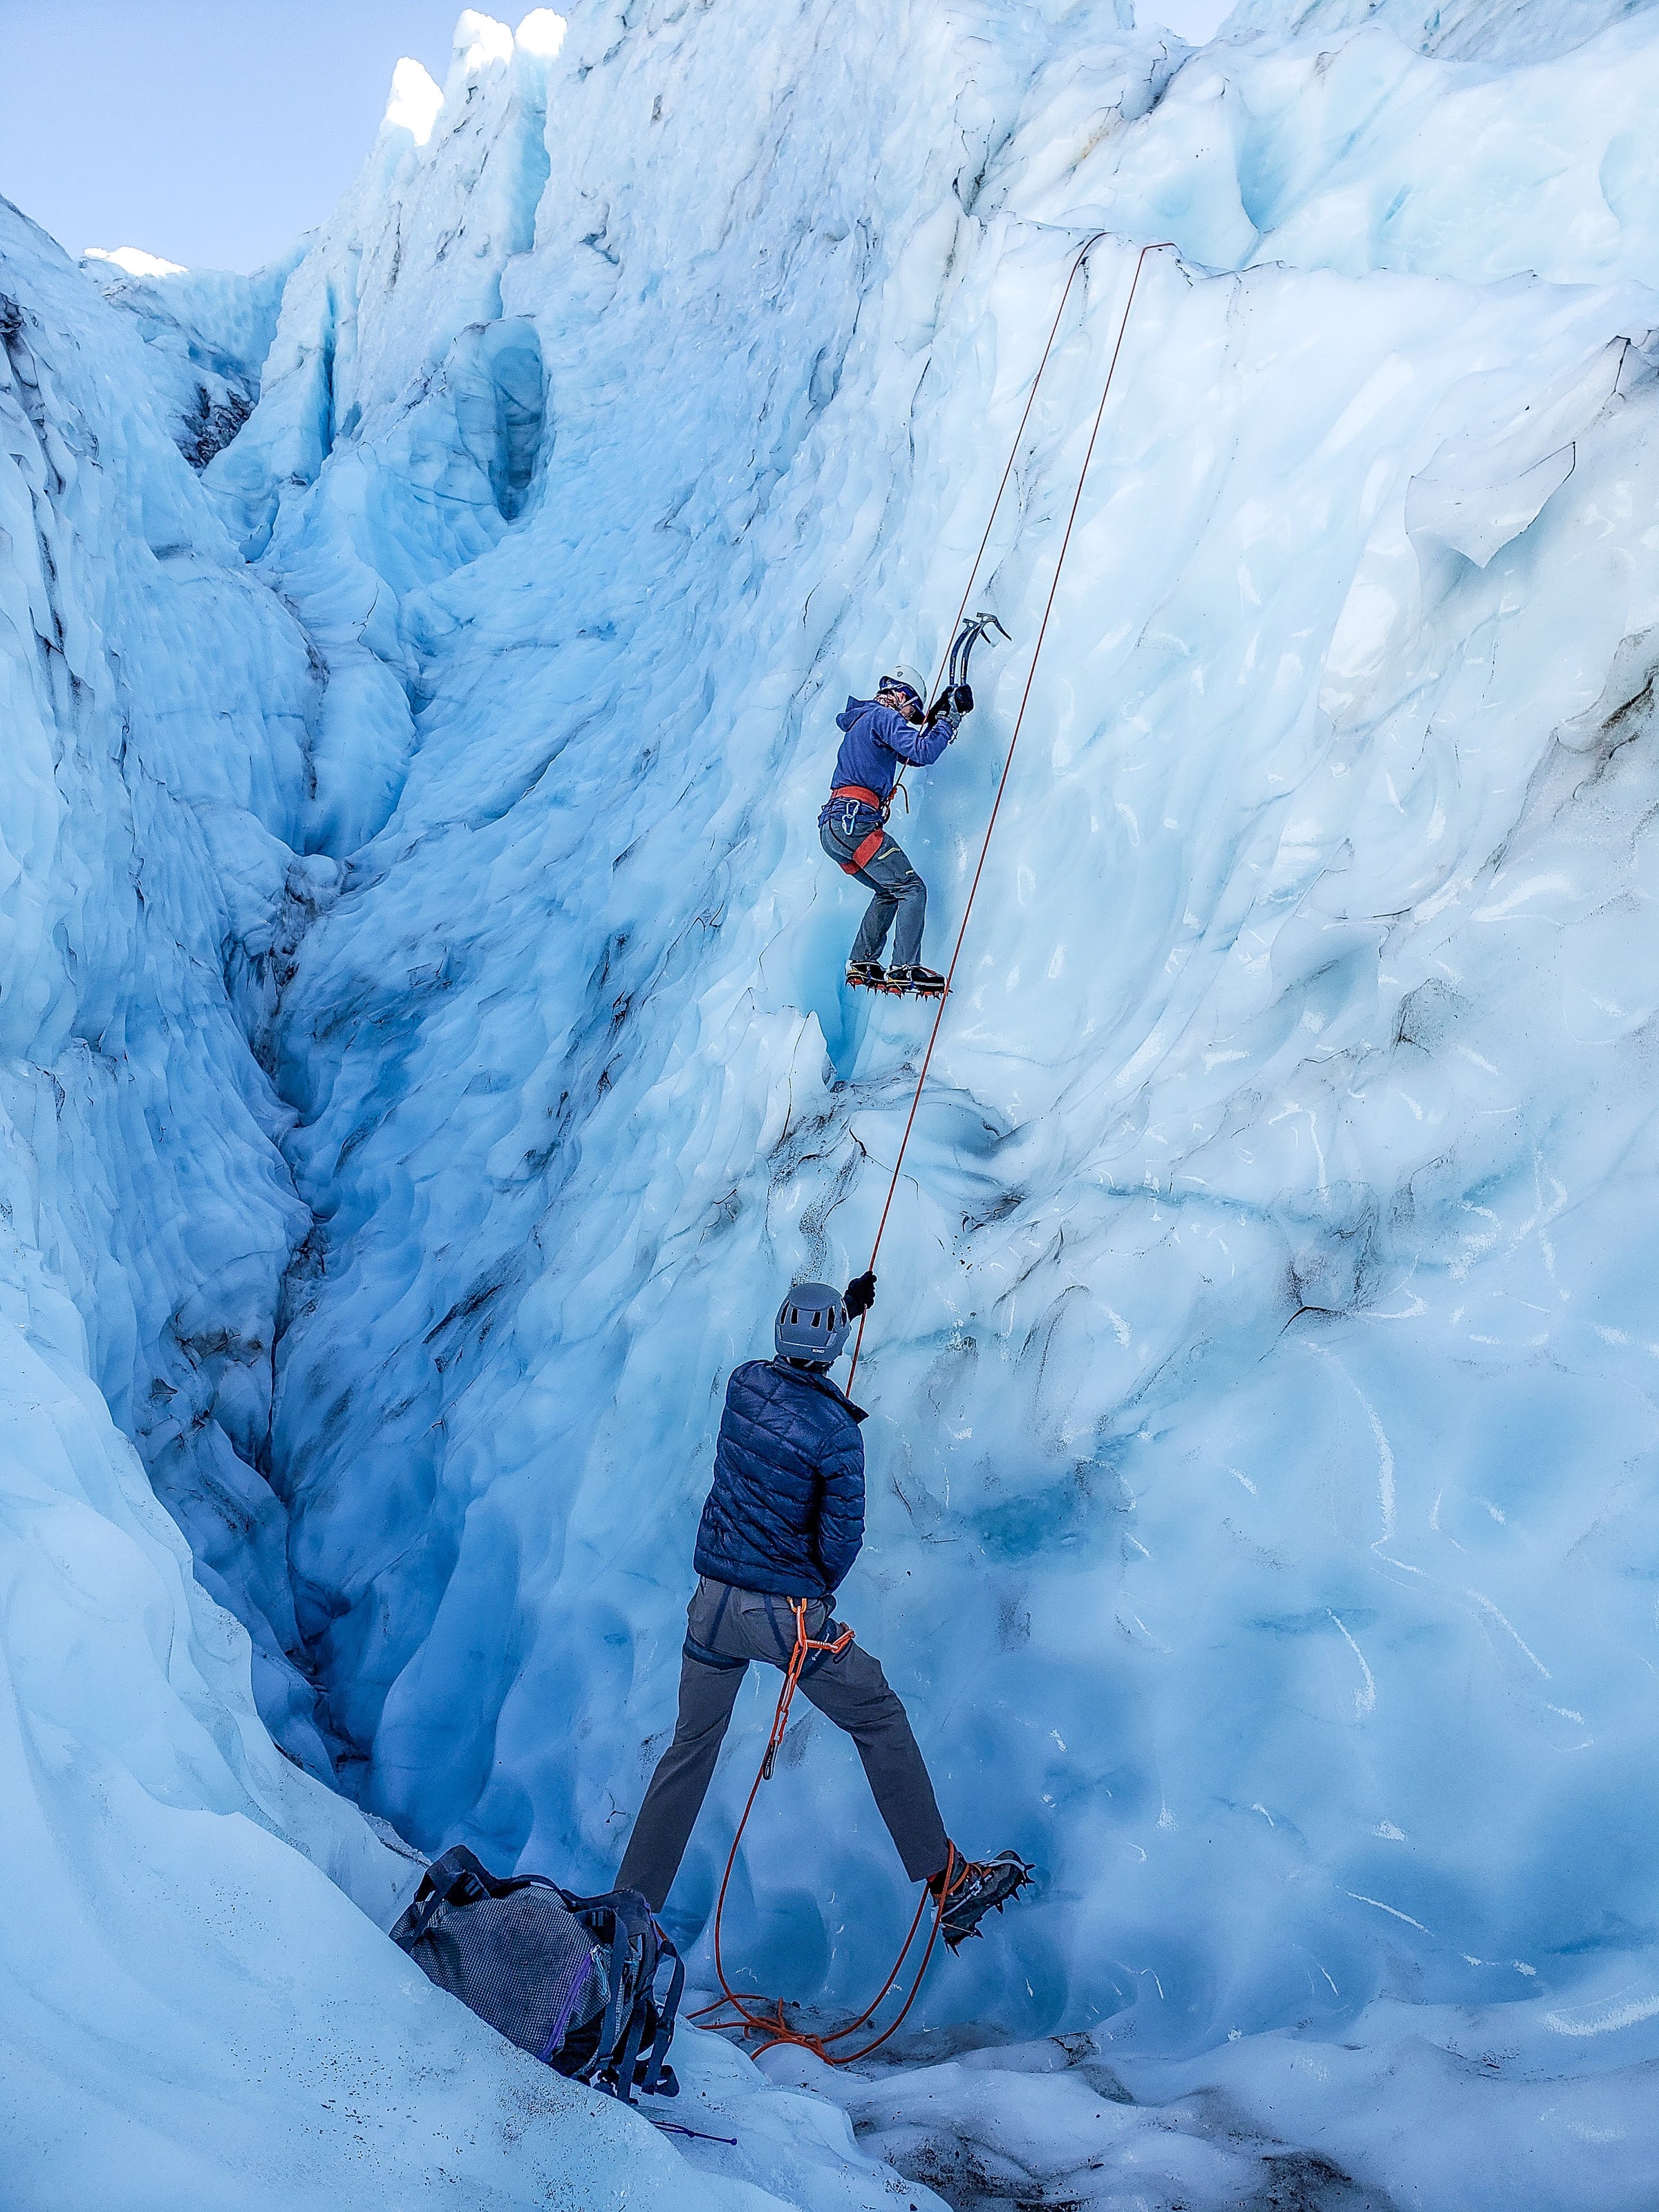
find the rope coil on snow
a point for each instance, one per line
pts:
(772, 2022)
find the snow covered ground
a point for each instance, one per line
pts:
(426, 1061)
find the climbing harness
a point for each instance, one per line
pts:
(855, 795)
(772, 2019)
(768, 2017)
(1158, 247)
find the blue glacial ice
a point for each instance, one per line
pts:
(428, 1055)
(199, 2006)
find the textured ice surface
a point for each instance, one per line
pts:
(1480, 31)
(1262, 1423)
(1242, 1376)
(1453, 2106)
(156, 702)
(208, 333)
(1238, 1389)
(199, 2006)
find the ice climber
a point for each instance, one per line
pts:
(785, 1521)
(879, 735)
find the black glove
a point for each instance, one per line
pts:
(861, 1293)
(963, 699)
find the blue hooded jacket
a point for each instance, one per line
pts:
(878, 738)
(786, 1514)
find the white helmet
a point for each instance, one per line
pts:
(905, 679)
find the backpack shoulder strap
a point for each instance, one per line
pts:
(659, 2043)
(625, 1927)
(631, 1916)
(457, 1874)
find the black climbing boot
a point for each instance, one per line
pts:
(866, 975)
(976, 1886)
(927, 983)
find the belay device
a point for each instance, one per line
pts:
(570, 1980)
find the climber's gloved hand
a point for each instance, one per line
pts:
(861, 1293)
(963, 699)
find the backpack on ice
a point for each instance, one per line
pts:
(572, 1980)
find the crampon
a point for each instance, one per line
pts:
(897, 983)
(978, 1886)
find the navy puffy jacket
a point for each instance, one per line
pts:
(786, 1514)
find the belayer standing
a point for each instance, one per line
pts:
(880, 735)
(783, 1523)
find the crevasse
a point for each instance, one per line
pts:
(1262, 1425)
(200, 2007)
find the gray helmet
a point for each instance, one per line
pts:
(812, 1324)
(905, 679)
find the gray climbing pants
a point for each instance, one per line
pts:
(900, 893)
(725, 1629)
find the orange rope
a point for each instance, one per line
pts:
(771, 2022)
(1030, 675)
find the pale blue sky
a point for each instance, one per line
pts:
(213, 131)
(208, 131)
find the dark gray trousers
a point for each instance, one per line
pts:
(900, 893)
(725, 1629)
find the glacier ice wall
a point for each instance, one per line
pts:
(1262, 1431)
(206, 333)
(157, 701)
(1483, 32)
(1262, 1422)
(200, 2007)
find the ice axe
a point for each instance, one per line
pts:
(974, 628)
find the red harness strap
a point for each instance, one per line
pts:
(868, 846)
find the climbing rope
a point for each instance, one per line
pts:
(1030, 675)
(1083, 252)
(771, 2021)
(768, 2017)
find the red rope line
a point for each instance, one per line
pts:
(1088, 245)
(771, 2021)
(1031, 676)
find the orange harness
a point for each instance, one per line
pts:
(867, 847)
